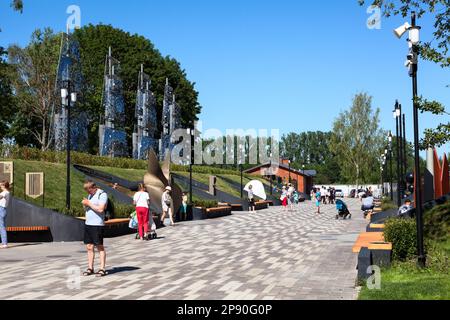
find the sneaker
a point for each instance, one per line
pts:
(5, 246)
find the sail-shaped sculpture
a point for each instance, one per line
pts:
(69, 72)
(171, 121)
(112, 135)
(144, 136)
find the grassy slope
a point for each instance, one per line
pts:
(405, 282)
(55, 183)
(402, 283)
(136, 175)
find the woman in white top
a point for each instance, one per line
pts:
(141, 200)
(166, 204)
(4, 202)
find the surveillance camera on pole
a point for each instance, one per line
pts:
(412, 64)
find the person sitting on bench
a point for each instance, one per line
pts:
(406, 209)
(367, 203)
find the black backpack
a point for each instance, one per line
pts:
(109, 211)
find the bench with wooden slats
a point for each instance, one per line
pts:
(28, 229)
(366, 238)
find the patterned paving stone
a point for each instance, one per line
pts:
(268, 255)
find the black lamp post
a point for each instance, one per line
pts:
(67, 97)
(412, 64)
(289, 162)
(241, 167)
(191, 132)
(397, 116)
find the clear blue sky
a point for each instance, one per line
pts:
(287, 64)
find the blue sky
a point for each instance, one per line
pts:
(287, 64)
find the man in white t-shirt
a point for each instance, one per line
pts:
(95, 206)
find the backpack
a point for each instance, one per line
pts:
(109, 211)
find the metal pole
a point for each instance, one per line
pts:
(192, 132)
(242, 181)
(418, 177)
(289, 171)
(405, 159)
(397, 148)
(68, 142)
(400, 156)
(391, 174)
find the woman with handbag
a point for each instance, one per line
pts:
(141, 200)
(166, 203)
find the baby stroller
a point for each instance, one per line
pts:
(134, 225)
(342, 209)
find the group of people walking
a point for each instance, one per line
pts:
(323, 196)
(96, 205)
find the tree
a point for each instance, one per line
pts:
(6, 95)
(131, 51)
(34, 80)
(17, 5)
(357, 140)
(435, 50)
(312, 149)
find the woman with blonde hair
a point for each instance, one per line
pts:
(4, 202)
(141, 200)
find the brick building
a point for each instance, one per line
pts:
(303, 180)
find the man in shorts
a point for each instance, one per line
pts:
(95, 206)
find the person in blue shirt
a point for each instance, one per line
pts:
(318, 200)
(95, 206)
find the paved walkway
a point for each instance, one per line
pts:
(268, 255)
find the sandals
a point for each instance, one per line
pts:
(101, 273)
(88, 272)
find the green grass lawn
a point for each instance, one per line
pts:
(400, 283)
(55, 183)
(222, 185)
(404, 281)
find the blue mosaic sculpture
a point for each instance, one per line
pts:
(69, 69)
(144, 136)
(112, 135)
(171, 121)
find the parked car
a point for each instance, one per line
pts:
(357, 193)
(339, 193)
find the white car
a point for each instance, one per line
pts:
(339, 193)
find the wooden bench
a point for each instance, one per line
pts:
(366, 238)
(27, 229)
(29, 234)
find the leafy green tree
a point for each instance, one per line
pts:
(33, 80)
(17, 5)
(436, 50)
(312, 150)
(357, 140)
(131, 51)
(6, 95)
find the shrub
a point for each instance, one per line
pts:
(402, 233)
(206, 204)
(437, 222)
(387, 204)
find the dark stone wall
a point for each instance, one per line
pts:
(62, 227)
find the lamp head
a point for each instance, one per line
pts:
(400, 31)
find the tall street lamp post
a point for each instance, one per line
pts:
(397, 117)
(191, 133)
(67, 96)
(412, 64)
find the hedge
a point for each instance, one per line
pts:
(402, 233)
(85, 159)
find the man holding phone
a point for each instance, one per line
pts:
(95, 206)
